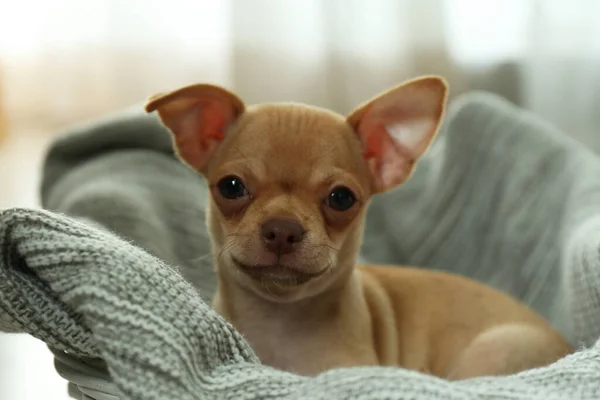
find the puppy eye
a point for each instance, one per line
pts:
(341, 199)
(232, 187)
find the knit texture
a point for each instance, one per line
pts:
(501, 197)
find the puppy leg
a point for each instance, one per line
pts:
(508, 349)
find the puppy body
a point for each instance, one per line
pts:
(451, 326)
(290, 185)
(433, 322)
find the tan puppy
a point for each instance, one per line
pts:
(290, 185)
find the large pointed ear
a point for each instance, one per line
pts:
(198, 117)
(396, 128)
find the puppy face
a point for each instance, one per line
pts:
(289, 186)
(290, 183)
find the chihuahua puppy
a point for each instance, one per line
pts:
(289, 185)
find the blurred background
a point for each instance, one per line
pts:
(67, 61)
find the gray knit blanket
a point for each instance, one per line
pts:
(116, 275)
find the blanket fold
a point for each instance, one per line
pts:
(91, 294)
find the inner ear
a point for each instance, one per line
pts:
(198, 117)
(396, 128)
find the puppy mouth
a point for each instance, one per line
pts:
(280, 274)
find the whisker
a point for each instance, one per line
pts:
(201, 258)
(266, 286)
(229, 242)
(236, 234)
(326, 246)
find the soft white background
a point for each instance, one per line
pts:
(62, 61)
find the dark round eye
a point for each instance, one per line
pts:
(232, 187)
(341, 199)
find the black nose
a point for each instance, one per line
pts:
(280, 235)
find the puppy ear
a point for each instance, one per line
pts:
(198, 117)
(396, 128)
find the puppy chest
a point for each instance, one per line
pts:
(307, 350)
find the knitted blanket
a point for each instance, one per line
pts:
(115, 278)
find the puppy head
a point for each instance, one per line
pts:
(290, 183)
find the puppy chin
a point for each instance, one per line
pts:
(277, 281)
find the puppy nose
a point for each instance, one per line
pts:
(280, 235)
